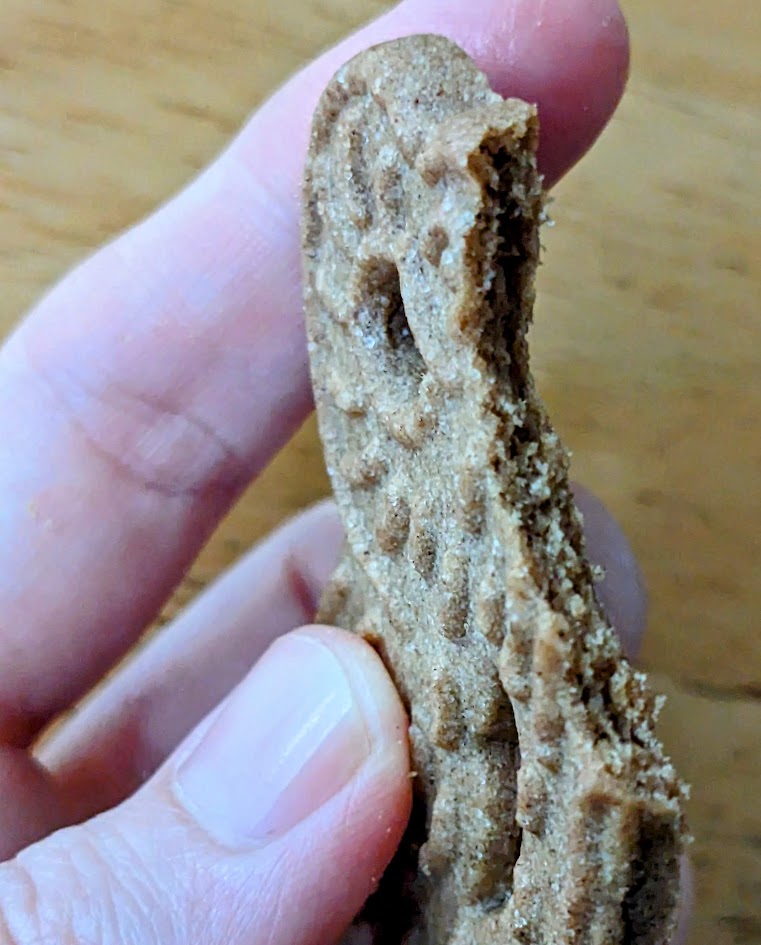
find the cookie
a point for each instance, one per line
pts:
(545, 809)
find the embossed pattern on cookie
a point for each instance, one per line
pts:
(546, 811)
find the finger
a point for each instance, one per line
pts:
(124, 732)
(622, 589)
(686, 902)
(32, 806)
(269, 827)
(150, 385)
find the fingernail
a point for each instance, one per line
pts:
(289, 738)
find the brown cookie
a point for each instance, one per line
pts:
(546, 811)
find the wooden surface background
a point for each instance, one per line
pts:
(647, 343)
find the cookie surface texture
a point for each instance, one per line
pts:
(545, 810)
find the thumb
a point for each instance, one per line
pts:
(271, 823)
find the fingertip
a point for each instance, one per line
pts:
(588, 84)
(315, 723)
(318, 537)
(377, 809)
(622, 590)
(384, 783)
(379, 700)
(569, 57)
(687, 901)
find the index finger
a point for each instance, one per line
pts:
(149, 387)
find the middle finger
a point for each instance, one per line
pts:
(126, 729)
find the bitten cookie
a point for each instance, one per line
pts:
(546, 811)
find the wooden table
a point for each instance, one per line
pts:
(647, 338)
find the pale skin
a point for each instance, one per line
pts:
(137, 399)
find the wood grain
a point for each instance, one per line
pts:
(647, 340)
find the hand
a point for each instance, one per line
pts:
(136, 401)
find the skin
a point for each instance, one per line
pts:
(137, 400)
